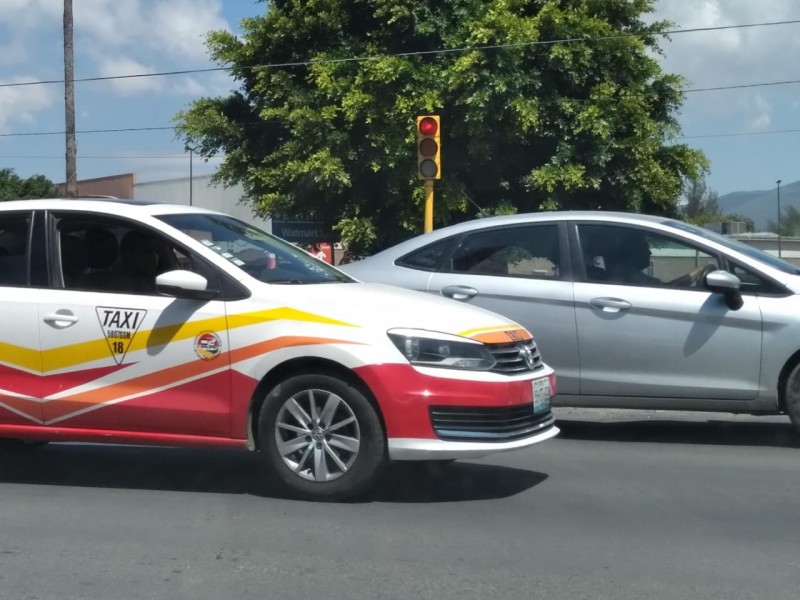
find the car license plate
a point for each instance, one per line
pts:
(541, 394)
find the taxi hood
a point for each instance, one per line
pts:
(384, 307)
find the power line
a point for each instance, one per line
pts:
(110, 157)
(183, 156)
(742, 86)
(741, 134)
(119, 130)
(306, 63)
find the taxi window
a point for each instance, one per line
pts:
(255, 252)
(115, 255)
(14, 249)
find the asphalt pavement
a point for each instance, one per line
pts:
(622, 505)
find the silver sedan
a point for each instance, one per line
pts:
(632, 311)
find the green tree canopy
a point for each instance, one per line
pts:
(536, 124)
(790, 222)
(14, 187)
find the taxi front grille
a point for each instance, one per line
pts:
(511, 358)
(488, 424)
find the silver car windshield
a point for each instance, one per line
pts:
(745, 249)
(255, 252)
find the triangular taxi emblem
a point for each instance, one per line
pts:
(119, 328)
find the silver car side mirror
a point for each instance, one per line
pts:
(723, 282)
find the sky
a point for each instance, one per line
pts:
(118, 37)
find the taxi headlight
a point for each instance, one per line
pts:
(431, 349)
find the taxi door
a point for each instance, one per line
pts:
(20, 362)
(118, 356)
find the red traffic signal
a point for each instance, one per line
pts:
(428, 125)
(429, 164)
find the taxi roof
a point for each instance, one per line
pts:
(115, 206)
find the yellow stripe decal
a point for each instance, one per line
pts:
(84, 352)
(19, 356)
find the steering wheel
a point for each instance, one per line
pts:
(701, 276)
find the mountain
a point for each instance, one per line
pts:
(761, 205)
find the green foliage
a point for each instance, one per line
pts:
(14, 187)
(526, 127)
(790, 223)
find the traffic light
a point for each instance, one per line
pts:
(429, 158)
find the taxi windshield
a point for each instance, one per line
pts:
(257, 253)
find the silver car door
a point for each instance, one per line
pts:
(521, 272)
(648, 328)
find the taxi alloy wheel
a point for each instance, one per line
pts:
(322, 437)
(792, 396)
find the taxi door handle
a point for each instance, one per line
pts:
(611, 305)
(61, 319)
(459, 292)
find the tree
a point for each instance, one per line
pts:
(532, 125)
(701, 202)
(695, 198)
(14, 187)
(790, 222)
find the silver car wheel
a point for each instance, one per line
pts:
(317, 435)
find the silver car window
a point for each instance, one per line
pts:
(621, 255)
(531, 251)
(746, 249)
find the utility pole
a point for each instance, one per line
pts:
(69, 103)
(780, 254)
(191, 175)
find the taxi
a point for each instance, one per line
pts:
(145, 323)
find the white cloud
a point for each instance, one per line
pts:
(21, 104)
(174, 29)
(762, 119)
(121, 65)
(733, 57)
(180, 26)
(727, 56)
(13, 53)
(31, 13)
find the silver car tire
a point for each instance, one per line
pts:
(792, 396)
(322, 438)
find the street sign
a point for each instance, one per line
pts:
(303, 232)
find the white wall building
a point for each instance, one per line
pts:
(198, 191)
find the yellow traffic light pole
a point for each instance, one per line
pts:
(428, 205)
(429, 166)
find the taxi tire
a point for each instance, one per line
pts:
(791, 396)
(369, 463)
(13, 445)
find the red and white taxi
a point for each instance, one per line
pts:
(130, 322)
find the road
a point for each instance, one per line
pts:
(621, 508)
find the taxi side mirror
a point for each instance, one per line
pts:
(184, 284)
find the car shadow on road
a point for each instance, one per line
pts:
(714, 432)
(230, 472)
(457, 482)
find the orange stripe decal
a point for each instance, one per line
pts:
(506, 336)
(62, 408)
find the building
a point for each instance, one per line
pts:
(198, 191)
(119, 186)
(788, 248)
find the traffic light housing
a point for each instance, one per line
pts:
(429, 156)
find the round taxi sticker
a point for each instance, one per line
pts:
(207, 345)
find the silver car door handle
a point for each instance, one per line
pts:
(610, 304)
(459, 292)
(61, 319)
